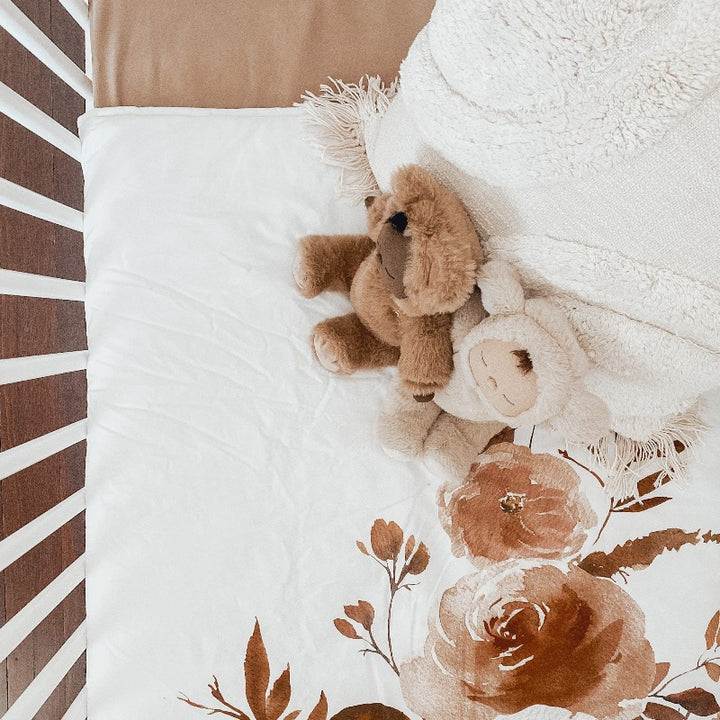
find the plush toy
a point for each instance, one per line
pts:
(416, 266)
(517, 362)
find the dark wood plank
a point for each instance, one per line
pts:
(35, 326)
(31, 326)
(36, 407)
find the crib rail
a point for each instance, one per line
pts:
(22, 370)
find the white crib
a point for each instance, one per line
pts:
(54, 692)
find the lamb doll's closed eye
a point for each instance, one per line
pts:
(517, 364)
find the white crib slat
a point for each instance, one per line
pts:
(33, 451)
(20, 198)
(31, 367)
(21, 111)
(78, 709)
(41, 286)
(78, 9)
(28, 536)
(20, 625)
(31, 37)
(39, 690)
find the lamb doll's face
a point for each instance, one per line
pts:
(504, 375)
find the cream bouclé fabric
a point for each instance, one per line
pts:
(584, 139)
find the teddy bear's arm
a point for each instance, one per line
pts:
(329, 262)
(426, 353)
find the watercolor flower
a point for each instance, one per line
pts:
(522, 634)
(516, 504)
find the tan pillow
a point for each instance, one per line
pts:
(243, 53)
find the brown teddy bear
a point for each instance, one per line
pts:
(417, 265)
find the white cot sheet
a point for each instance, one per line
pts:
(229, 477)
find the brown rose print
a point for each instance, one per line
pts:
(523, 633)
(516, 504)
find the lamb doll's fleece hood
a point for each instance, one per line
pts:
(540, 327)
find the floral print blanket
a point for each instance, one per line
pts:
(548, 622)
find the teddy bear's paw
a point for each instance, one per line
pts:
(300, 273)
(330, 351)
(325, 353)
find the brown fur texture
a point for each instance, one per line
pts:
(409, 328)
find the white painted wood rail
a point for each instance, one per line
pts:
(33, 451)
(40, 689)
(20, 369)
(21, 111)
(28, 34)
(19, 198)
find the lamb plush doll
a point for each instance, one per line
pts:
(516, 363)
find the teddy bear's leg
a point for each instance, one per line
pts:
(453, 444)
(403, 423)
(329, 262)
(343, 345)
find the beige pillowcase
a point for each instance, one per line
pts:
(243, 53)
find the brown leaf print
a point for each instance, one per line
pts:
(257, 678)
(713, 671)
(656, 711)
(712, 633)
(650, 483)
(372, 711)
(363, 613)
(523, 633)
(257, 673)
(661, 671)
(346, 629)
(386, 539)
(641, 505)
(320, 711)
(639, 553)
(516, 504)
(409, 546)
(696, 700)
(279, 697)
(419, 561)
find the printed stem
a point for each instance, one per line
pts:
(389, 632)
(381, 653)
(567, 456)
(604, 525)
(532, 436)
(679, 675)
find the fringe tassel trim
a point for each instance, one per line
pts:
(668, 450)
(337, 119)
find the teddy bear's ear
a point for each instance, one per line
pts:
(584, 420)
(502, 292)
(369, 200)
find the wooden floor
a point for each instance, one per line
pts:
(33, 326)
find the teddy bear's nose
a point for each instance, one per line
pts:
(399, 221)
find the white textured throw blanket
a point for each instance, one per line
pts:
(584, 139)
